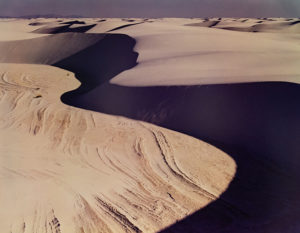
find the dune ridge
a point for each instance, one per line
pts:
(90, 172)
(68, 27)
(234, 119)
(252, 25)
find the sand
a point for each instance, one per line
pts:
(122, 152)
(92, 171)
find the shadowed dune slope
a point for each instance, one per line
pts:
(65, 28)
(110, 25)
(103, 60)
(84, 54)
(257, 124)
(205, 23)
(87, 55)
(124, 26)
(73, 22)
(47, 49)
(37, 23)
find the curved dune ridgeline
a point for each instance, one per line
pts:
(98, 171)
(252, 25)
(257, 124)
(66, 27)
(65, 169)
(87, 55)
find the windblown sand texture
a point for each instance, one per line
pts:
(113, 125)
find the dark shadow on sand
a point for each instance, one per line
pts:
(73, 22)
(124, 26)
(101, 62)
(257, 124)
(66, 27)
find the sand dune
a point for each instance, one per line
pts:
(73, 22)
(113, 25)
(12, 29)
(124, 26)
(67, 27)
(220, 56)
(208, 59)
(205, 23)
(48, 49)
(68, 50)
(65, 168)
(253, 25)
(70, 170)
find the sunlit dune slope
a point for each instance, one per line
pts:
(70, 170)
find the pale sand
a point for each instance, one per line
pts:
(65, 169)
(74, 170)
(208, 55)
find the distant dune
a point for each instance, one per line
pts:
(83, 103)
(253, 25)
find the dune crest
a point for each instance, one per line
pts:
(74, 170)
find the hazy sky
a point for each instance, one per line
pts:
(153, 8)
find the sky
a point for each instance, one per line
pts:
(152, 8)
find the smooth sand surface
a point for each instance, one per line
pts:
(206, 55)
(65, 168)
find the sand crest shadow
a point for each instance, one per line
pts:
(255, 123)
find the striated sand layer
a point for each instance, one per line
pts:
(70, 169)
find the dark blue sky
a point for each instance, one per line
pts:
(153, 8)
